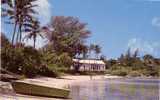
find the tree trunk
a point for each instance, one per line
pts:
(14, 32)
(20, 35)
(34, 42)
(97, 55)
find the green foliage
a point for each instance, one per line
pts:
(67, 35)
(134, 66)
(32, 61)
(135, 73)
(48, 71)
(23, 60)
(96, 49)
(120, 72)
(65, 60)
(137, 65)
(4, 41)
(21, 14)
(58, 63)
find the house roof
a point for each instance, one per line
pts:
(89, 61)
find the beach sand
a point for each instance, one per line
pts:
(7, 93)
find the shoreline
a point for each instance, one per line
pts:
(7, 92)
(63, 82)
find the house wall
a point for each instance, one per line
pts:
(92, 67)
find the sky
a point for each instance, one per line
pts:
(116, 25)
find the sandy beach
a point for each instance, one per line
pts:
(7, 92)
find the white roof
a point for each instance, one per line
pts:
(89, 61)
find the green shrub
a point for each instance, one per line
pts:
(154, 73)
(32, 61)
(29, 71)
(134, 73)
(21, 60)
(120, 72)
(107, 71)
(12, 59)
(116, 67)
(45, 71)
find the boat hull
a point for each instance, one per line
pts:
(38, 90)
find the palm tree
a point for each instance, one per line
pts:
(135, 53)
(3, 7)
(91, 48)
(8, 10)
(34, 31)
(20, 12)
(85, 51)
(97, 49)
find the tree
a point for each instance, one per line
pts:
(121, 59)
(20, 12)
(135, 53)
(128, 54)
(84, 51)
(148, 59)
(67, 34)
(3, 9)
(97, 49)
(91, 48)
(34, 31)
(4, 40)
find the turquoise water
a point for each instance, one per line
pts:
(116, 89)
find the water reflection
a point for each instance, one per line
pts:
(119, 89)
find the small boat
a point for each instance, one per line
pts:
(30, 87)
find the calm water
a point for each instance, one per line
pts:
(117, 89)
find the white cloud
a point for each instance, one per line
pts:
(44, 15)
(156, 22)
(144, 47)
(40, 42)
(44, 11)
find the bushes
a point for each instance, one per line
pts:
(21, 60)
(25, 61)
(58, 63)
(119, 72)
(11, 59)
(46, 71)
(31, 62)
(134, 74)
(29, 71)
(154, 73)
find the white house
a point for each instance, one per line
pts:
(88, 65)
